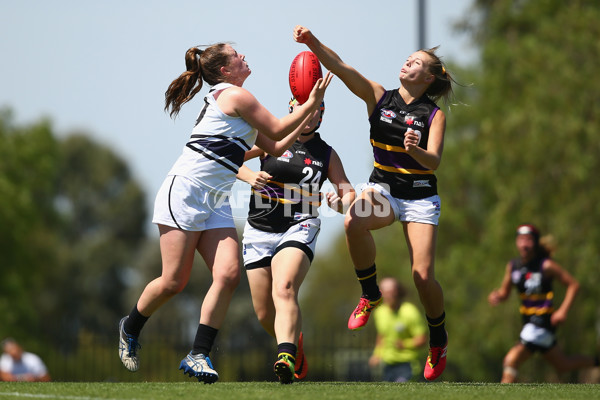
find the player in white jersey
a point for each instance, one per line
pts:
(193, 197)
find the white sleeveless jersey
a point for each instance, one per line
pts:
(216, 148)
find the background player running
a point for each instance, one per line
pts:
(532, 274)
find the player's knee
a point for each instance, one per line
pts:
(228, 278)
(232, 280)
(354, 224)
(262, 314)
(510, 360)
(284, 290)
(422, 278)
(349, 223)
(172, 287)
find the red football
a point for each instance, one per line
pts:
(304, 73)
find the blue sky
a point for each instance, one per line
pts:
(102, 67)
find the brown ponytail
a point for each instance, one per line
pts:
(442, 85)
(200, 65)
(546, 246)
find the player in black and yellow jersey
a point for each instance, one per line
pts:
(533, 274)
(281, 232)
(407, 137)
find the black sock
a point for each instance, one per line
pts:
(368, 282)
(437, 330)
(596, 361)
(204, 340)
(134, 324)
(287, 348)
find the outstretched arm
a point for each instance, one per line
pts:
(277, 148)
(237, 101)
(370, 92)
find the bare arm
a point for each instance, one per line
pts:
(254, 152)
(257, 180)
(345, 194)
(370, 92)
(237, 101)
(553, 269)
(431, 157)
(499, 295)
(277, 148)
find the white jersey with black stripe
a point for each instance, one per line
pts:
(216, 148)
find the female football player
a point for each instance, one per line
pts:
(407, 137)
(191, 208)
(281, 232)
(532, 274)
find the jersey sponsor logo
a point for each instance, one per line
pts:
(308, 161)
(411, 120)
(388, 113)
(286, 154)
(387, 116)
(421, 183)
(533, 282)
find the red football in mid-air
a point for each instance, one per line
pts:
(304, 73)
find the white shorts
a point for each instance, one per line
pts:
(259, 247)
(537, 338)
(182, 204)
(424, 211)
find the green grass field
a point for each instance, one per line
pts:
(296, 391)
